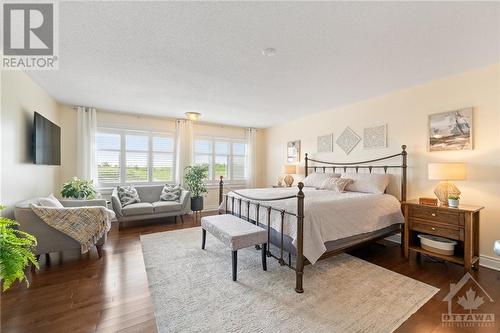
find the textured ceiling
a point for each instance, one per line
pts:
(166, 58)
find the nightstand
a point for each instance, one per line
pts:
(460, 224)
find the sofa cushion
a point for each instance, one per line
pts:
(166, 206)
(128, 195)
(139, 208)
(170, 193)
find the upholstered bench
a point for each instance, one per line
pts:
(236, 234)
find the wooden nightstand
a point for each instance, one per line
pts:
(460, 224)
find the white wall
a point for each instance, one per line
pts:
(20, 178)
(406, 113)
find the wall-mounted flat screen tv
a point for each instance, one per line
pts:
(46, 141)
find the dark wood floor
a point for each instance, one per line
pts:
(73, 293)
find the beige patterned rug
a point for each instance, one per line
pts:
(192, 291)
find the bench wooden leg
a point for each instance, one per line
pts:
(264, 256)
(235, 264)
(182, 218)
(203, 238)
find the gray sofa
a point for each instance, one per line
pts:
(48, 238)
(150, 206)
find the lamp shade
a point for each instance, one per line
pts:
(290, 169)
(447, 171)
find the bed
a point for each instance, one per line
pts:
(309, 224)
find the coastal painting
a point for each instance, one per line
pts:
(451, 130)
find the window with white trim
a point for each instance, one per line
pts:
(222, 157)
(134, 157)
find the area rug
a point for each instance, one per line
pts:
(192, 291)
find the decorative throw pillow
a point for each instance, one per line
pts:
(128, 195)
(50, 201)
(367, 182)
(170, 193)
(316, 179)
(335, 184)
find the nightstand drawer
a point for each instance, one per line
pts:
(435, 214)
(437, 230)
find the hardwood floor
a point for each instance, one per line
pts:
(73, 293)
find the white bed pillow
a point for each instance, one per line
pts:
(367, 182)
(335, 184)
(50, 201)
(316, 179)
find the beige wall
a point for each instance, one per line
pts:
(406, 113)
(20, 178)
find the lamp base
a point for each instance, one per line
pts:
(445, 189)
(288, 180)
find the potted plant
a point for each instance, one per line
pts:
(78, 189)
(453, 201)
(195, 181)
(16, 252)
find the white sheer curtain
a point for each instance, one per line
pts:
(251, 158)
(184, 148)
(85, 143)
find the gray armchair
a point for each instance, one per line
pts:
(48, 238)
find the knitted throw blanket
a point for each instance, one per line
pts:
(86, 225)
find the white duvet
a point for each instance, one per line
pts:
(328, 215)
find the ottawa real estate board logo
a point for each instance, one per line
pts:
(30, 36)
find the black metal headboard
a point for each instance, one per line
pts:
(324, 165)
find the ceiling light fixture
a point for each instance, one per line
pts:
(194, 116)
(269, 52)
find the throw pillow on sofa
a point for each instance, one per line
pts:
(128, 195)
(50, 201)
(170, 193)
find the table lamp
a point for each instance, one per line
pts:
(446, 172)
(289, 169)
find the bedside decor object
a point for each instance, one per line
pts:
(437, 244)
(428, 201)
(453, 201)
(451, 130)
(496, 247)
(348, 140)
(375, 137)
(456, 224)
(195, 181)
(289, 169)
(446, 172)
(80, 189)
(280, 181)
(325, 143)
(293, 151)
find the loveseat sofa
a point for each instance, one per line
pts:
(150, 206)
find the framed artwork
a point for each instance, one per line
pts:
(375, 137)
(293, 151)
(451, 130)
(348, 140)
(325, 143)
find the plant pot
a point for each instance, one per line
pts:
(453, 203)
(197, 204)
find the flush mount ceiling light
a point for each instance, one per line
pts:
(193, 115)
(269, 52)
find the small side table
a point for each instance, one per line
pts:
(460, 224)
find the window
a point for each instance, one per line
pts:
(124, 156)
(222, 157)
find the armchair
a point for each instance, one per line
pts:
(50, 239)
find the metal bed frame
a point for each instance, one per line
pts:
(300, 260)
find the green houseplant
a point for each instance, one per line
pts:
(195, 181)
(16, 252)
(78, 189)
(453, 201)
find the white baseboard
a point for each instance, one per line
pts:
(489, 262)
